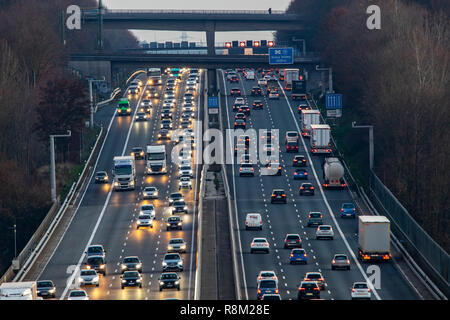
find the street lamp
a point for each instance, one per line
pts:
(304, 44)
(370, 141)
(330, 77)
(52, 162)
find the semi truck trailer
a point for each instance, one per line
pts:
(333, 173)
(374, 238)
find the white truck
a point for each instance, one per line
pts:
(333, 173)
(124, 173)
(154, 77)
(18, 291)
(156, 159)
(309, 117)
(374, 238)
(250, 75)
(320, 142)
(289, 75)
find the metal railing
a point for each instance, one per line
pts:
(169, 11)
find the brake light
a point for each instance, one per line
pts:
(276, 291)
(283, 195)
(368, 290)
(316, 289)
(301, 289)
(342, 210)
(353, 290)
(301, 188)
(312, 188)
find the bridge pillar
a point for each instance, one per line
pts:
(212, 82)
(210, 42)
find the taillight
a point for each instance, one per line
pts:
(353, 290)
(291, 255)
(316, 289)
(342, 210)
(301, 188)
(276, 291)
(348, 261)
(259, 290)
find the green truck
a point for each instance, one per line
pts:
(123, 108)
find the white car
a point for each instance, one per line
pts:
(360, 290)
(89, 277)
(259, 244)
(239, 101)
(191, 82)
(169, 95)
(253, 220)
(147, 209)
(176, 245)
(262, 82)
(78, 295)
(324, 231)
(144, 220)
(274, 95)
(186, 171)
(246, 169)
(150, 193)
(185, 183)
(266, 275)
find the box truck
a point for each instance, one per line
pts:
(18, 291)
(374, 238)
(320, 142)
(309, 117)
(299, 90)
(289, 75)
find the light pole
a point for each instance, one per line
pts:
(52, 162)
(91, 98)
(304, 44)
(330, 77)
(370, 141)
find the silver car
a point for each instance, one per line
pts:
(150, 193)
(340, 260)
(144, 220)
(185, 183)
(148, 209)
(186, 171)
(172, 261)
(360, 290)
(324, 231)
(89, 277)
(176, 245)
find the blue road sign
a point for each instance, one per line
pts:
(281, 55)
(334, 101)
(213, 102)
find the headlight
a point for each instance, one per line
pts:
(161, 283)
(79, 279)
(138, 280)
(170, 247)
(139, 265)
(53, 290)
(183, 246)
(164, 263)
(138, 222)
(168, 224)
(102, 266)
(132, 183)
(177, 282)
(124, 266)
(123, 281)
(179, 223)
(95, 279)
(185, 207)
(180, 262)
(116, 184)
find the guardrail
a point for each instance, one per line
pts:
(112, 97)
(197, 291)
(210, 12)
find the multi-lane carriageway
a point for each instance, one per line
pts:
(252, 194)
(109, 218)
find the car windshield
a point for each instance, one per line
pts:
(148, 207)
(340, 258)
(278, 192)
(315, 215)
(131, 274)
(150, 189)
(169, 276)
(348, 206)
(78, 294)
(259, 240)
(44, 284)
(137, 150)
(313, 276)
(267, 274)
(176, 241)
(144, 217)
(298, 251)
(131, 260)
(95, 260)
(95, 250)
(172, 257)
(324, 228)
(179, 203)
(292, 237)
(176, 196)
(101, 174)
(173, 219)
(360, 286)
(88, 273)
(307, 185)
(309, 285)
(268, 284)
(292, 134)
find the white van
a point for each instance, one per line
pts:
(253, 220)
(250, 75)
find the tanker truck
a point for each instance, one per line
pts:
(333, 173)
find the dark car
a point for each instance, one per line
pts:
(299, 161)
(257, 104)
(239, 123)
(166, 124)
(101, 177)
(303, 106)
(256, 91)
(235, 92)
(308, 290)
(166, 115)
(234, 79)
(46, 288)
(272, 166)
(131, 279)
(164, 134)
(179, 206)
(278, 195)
(174, 197)
(240, 115)
(306, 188)
(314, 219)
(131, 263)
(169, 280)
(138, 153)
(174, 222)
(300, 174)
(267, 287)
(97, 263)
(245, 110)
(292, 241)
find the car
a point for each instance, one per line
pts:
(360, 290)
(291, 146)
(274, 168)
(259, 244)
(314, 219)
(78, 295)
(257, 104)
(164, 134)
(266, 275)
(291, 136)
(340, 261)
(89, 277)
(131, 263)
(278, 195)
(184, 124)
(96, 263)
(274, 94)
(188, 96)
(245, 158)
(138, 153)
(172, 261)
(147, 209)
(239, 101)
(348, 210)
(101, 177)
(316, 277)
(303, 106)
(46, 288)
(174, 222)
(324, 232)
(271, 297)
(298, 256)
(131, 279)
(269, 149)
(169, 280)
(234, 79)
(256, 91)
(244, 109)
(306, 188)
(268, 135)
(166, 114)
(308, 290)
(300, 174)
(166, 124)
(184, 183)
(176, 245)
(240, 115)
(175, 197)
(262, 81)
(96, 250)
(186, 171)
(246, 169)
(240, 148)
(292, 240)
(239, 123)
(299, 161)
(143, 221)
(244, 139)
(186, 116)
(179, 206)
(253, 220)
(267, 286)
(235, 92)
(146, 106)
(150, 193)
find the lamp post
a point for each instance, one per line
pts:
(371, 148)
(52, 162)
(330, 77)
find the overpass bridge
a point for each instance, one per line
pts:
(208, 21)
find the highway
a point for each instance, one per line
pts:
(108, 217)
(252, 194)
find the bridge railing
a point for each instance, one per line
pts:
(168, 11)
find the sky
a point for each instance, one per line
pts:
(221, 37)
